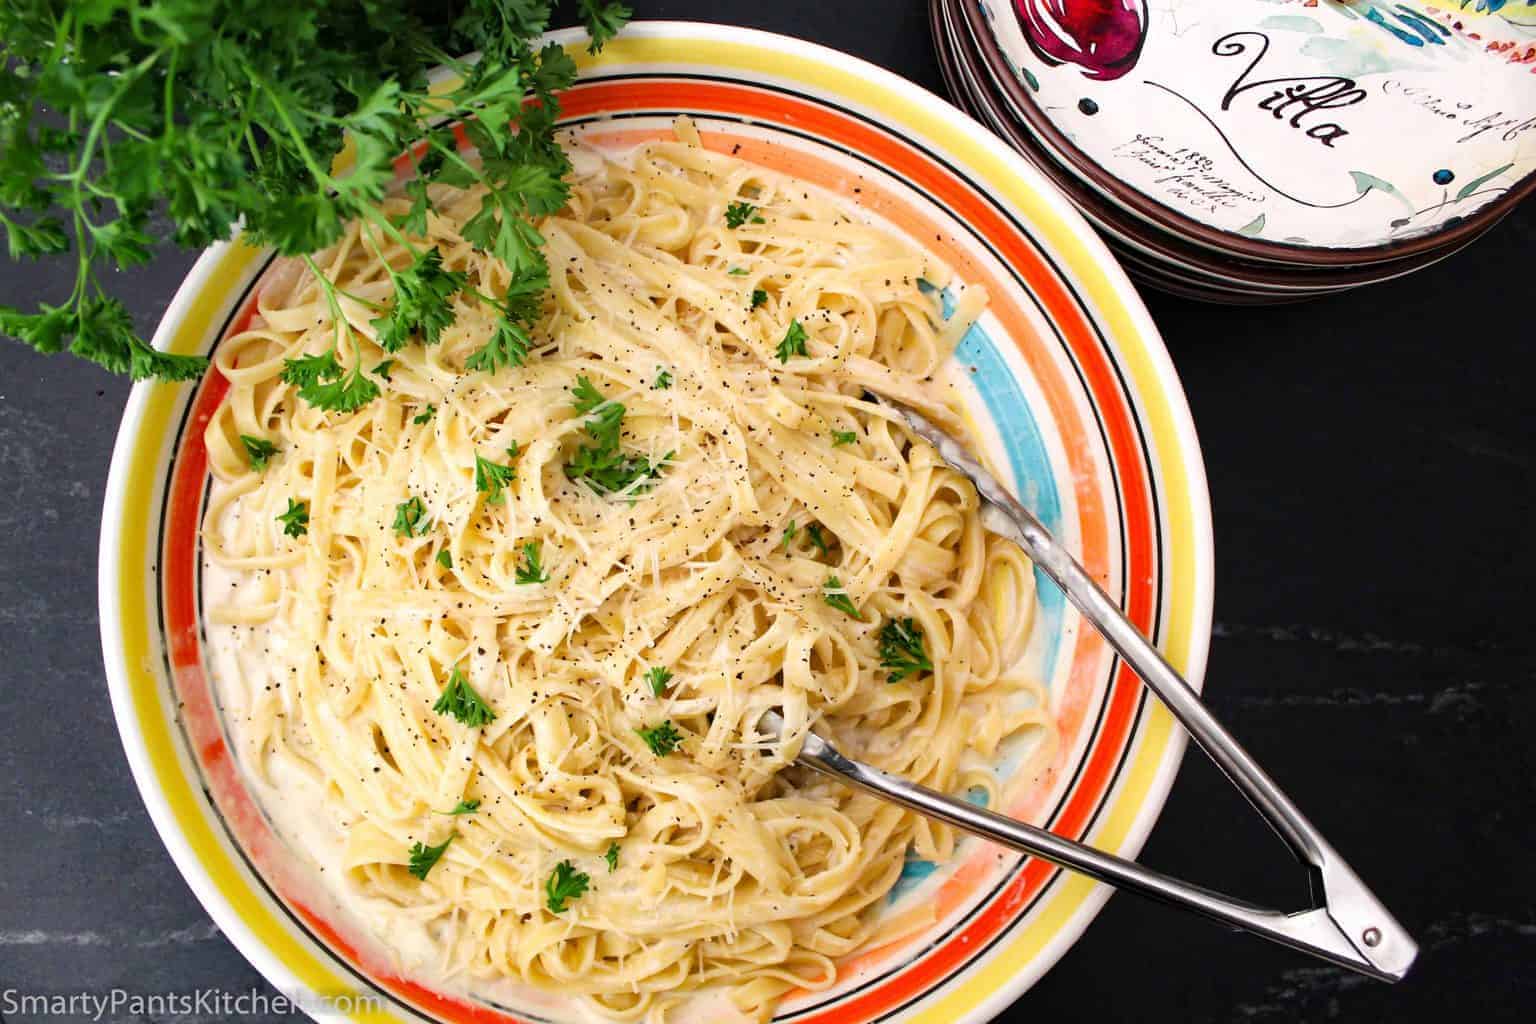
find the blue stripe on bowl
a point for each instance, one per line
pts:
(1035, 486)
(1035, 482)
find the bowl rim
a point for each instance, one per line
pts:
(1133, 327)
(1216, 239)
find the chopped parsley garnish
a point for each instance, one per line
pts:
(382, 370)
(901, 649)
(258, 450)
(658, 677)
(737, 271)
(425, 416)
(663, 381)
(739, 213)
(759, 297)
(833, 593)
(445, 558)
(603, 464)
(532, 569)
(460, 700)
(662, 739)
(296, 520)
(842, 437)
(424, 858)
(411, 518)
(492, 477)
(612, 857)
(793, 343)
(789, 534)
(465, 807)
(564, 885)
(813, 531)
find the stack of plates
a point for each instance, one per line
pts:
(1255, 151)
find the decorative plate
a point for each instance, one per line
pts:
(1152, 255)
(1068, 383)
(1152, 258)
(1315, 131)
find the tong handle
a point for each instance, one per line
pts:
(1381, 946)
(1310, 931)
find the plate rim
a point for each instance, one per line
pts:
(1182, 442)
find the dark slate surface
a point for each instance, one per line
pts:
(1371, 465)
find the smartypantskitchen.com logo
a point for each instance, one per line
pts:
(210, 1003)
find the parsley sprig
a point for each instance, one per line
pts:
(902, 651)
(423, 303)
(812, 533)
(532, 569)
(564, 885)
(296, 519)
(258, 450)
(424, 858)
(460, 700)
(320, 377)
(507, 346)
(221, 112)
(662, 739)
(494, 477)
(832, 593)
(658, 677)
(793, 343)
(411, 518)
(741, 212)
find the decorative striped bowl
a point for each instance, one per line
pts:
(1068, 384)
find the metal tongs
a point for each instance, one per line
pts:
(1346, 924)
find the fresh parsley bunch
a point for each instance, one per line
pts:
(221, 112)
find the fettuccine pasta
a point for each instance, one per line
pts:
(556, 598)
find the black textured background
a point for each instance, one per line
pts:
(1371, 467)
